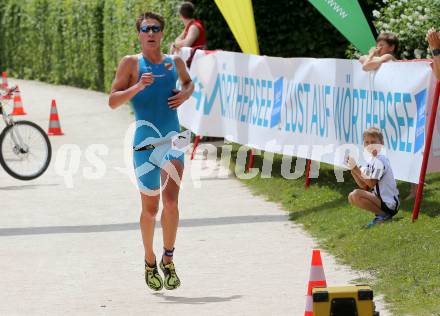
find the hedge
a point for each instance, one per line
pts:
(75, 42)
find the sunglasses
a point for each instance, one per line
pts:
(148, 28)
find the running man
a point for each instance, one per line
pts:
(148, 80)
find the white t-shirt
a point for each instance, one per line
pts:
(379, 168)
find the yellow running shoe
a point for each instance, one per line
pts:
(153, 278)
(171, 281)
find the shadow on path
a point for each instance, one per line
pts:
(26, 186)
(195, 300)
(190, 222)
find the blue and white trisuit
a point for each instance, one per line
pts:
(155, 122)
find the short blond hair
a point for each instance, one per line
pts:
(374, 132)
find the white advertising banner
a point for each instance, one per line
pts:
(434, 155)
(311, 108)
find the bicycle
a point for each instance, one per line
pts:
(25, 149)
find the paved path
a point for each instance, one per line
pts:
(74, 248)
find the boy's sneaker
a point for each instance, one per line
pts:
(153, 278)
(379, 219)
(171, 281)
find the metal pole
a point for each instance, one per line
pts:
(308, 164)
(251, 161)
(196, 143)
(430, 131)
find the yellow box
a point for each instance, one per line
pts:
(355, 300)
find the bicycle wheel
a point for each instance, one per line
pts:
(25, 150)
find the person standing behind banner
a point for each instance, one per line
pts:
(387, 45)
(193, 35)
(433, 38)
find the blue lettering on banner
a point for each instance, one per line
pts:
(277, 103)
(409, 120)
(421, 119)
(391, 121)
(268, 102)
(321, 110)
(306, 91)
(325, 114)
(198, 92)
(382, 118)
(354, 116)
(314, 120)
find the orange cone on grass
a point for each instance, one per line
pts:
(4, 80)
(317, 278)
(18, 104)
(54, 121)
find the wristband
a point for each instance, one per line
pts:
(436, 52)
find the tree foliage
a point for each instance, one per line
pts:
(75, 42)
(409, 20)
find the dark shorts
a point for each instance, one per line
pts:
(387, 210)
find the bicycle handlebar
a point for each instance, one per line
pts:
(9, 92)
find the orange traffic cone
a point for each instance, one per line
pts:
(4, 80)
(18, 105)
(317, 278)
(54, 122)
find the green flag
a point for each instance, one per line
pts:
(348, 18)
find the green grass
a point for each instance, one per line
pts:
(402, 257)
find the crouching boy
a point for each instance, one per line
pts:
(378, 191)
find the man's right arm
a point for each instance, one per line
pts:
(375, 62)
(366, 58)
(191, 37)
(181, 35)
(372, 61)
(359, 181)
(351, 164)
(363, 58)
(120, 92)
